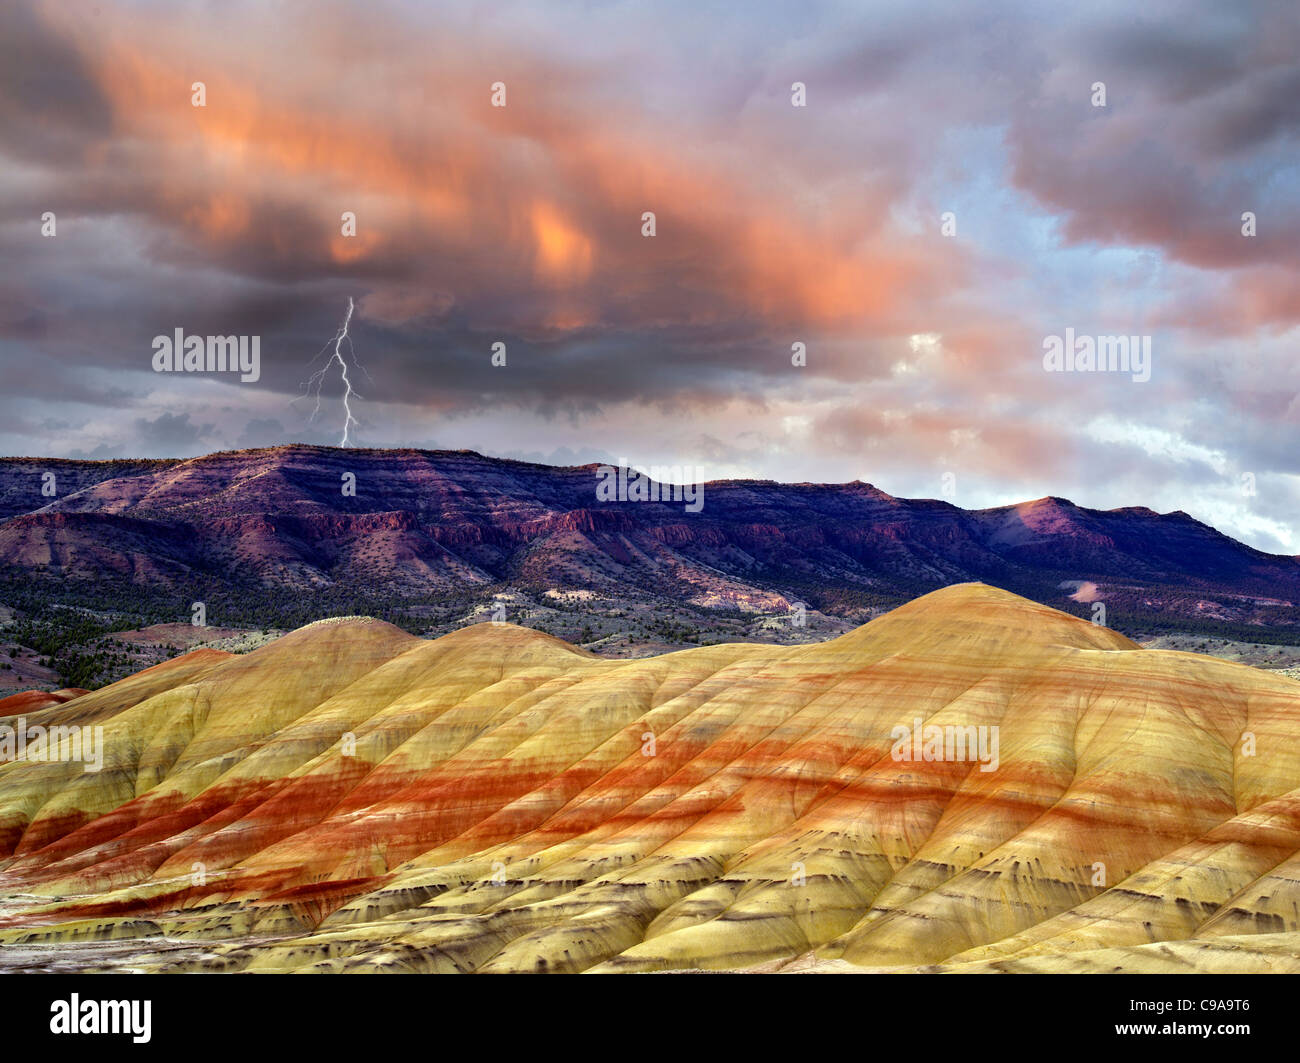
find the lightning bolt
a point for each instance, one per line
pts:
(317, 379)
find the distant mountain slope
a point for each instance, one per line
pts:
(452, 522)
(350, 798)
(22, 480)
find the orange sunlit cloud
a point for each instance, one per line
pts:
(775, 224)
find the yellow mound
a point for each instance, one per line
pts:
(973, 782)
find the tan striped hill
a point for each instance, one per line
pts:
(352, 798)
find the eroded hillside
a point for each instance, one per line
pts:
(350, 797)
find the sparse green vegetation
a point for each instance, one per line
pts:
(70, 624)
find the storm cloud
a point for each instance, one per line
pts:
(775, 225)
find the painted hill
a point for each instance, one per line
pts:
(351, 798)
(458, 523)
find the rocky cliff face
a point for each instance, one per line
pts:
(972, 780)
(421, 521)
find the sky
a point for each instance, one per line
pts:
(947, 190)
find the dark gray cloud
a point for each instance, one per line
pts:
(522, 225)
(169, 434)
